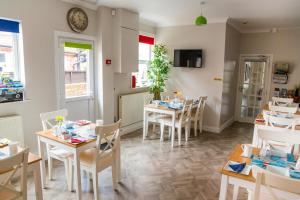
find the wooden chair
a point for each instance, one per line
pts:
(105, 154)
(12, 165)
(184, 120)
(152, 117)
(52, 151)
(278, 187)
(197, 117)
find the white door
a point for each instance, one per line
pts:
(254, 84)
(76, 78)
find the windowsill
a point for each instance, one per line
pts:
(16, 102)
(78, 98)
(141, 88)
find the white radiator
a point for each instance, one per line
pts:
(131, 108)
(11, 128)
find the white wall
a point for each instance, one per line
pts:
(39, 18)
(285, 47)
(198, 82)
(230, 79)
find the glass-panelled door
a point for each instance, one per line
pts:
(253, 86)
(76, 78)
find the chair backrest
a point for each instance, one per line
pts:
(108, 137)
(288, 137)
(12, 164)
(284, 109)
(48, 117)
(186, 111)
(276, 101)
(200, 107)
(283, 122)
(148, 99)
(274, 181)
(166, 95)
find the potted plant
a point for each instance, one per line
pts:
(158, 70)
(297, 94)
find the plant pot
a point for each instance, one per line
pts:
(156, 96)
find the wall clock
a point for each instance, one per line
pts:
(77, 19)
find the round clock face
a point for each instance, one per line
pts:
(77, 19)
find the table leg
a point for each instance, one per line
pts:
(41, 148)
(223, 189)
(118, 161)
(145, 128)
(173, 129)
(77, 174)
(255, 141)
(235, 192)
(37, 181)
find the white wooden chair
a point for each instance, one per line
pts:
(52, 151)
(197, 117)
(12, 165)
(184, 120)
(277, 186)
(152, 117)
(105, 154)
(276, 101)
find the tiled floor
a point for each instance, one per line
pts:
(153, 170)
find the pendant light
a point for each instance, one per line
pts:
(201, 20)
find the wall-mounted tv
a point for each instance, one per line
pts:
(191, 58)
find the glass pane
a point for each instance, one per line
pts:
(141, 76)
(144, 51)
(76, 63)
(244, 112)
(244, 100)
(8, 56)
(256, 112)
(250, 112)
(251, 100)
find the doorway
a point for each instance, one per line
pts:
(76, 77)
(254, 86)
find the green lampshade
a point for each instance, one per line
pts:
(201, 20)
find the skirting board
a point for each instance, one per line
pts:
(214, 129)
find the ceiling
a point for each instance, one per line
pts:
(258, 14)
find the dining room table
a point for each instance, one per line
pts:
(240, 180)
(48, 137)
(163, 109)
(33, 166)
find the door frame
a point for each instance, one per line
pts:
(58, 35)
(267, 84)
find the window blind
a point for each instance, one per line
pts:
(78, 45)
(9, 26)
(146, 39)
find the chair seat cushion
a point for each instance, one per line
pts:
(59, 152)
(87, 157)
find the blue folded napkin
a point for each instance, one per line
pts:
(294, 174)
(237, 167)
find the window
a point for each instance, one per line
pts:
(11, 87)
(140, 78)
(77, 62)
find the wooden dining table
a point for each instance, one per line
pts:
(34, 166)
(47, 137)
(239, 180)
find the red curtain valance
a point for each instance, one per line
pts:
(146, 39)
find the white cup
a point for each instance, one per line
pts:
(298, 164)
(13, 148)
(247, 150)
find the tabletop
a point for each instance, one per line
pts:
(236, 156)
(49, 135)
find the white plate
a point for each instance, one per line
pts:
(246, 170)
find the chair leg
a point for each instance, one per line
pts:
(114, 174)
(71, 175)
(179, 135)
(170, 131)
(200, 124)
(50, 167)
(95, 185)
(235, 192)
(195, 128)
(162, 127)
(67, 168)
(186, 128)
(153, 128)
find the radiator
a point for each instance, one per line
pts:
(11, 128)
(131, 108)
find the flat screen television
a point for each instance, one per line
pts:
(191, 58)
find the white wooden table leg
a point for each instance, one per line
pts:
(145, 128)
(173, 129)
(41, 148)
(235, 192)
(77, 175)
(37, 181)
(223, 189)
(255, 141)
